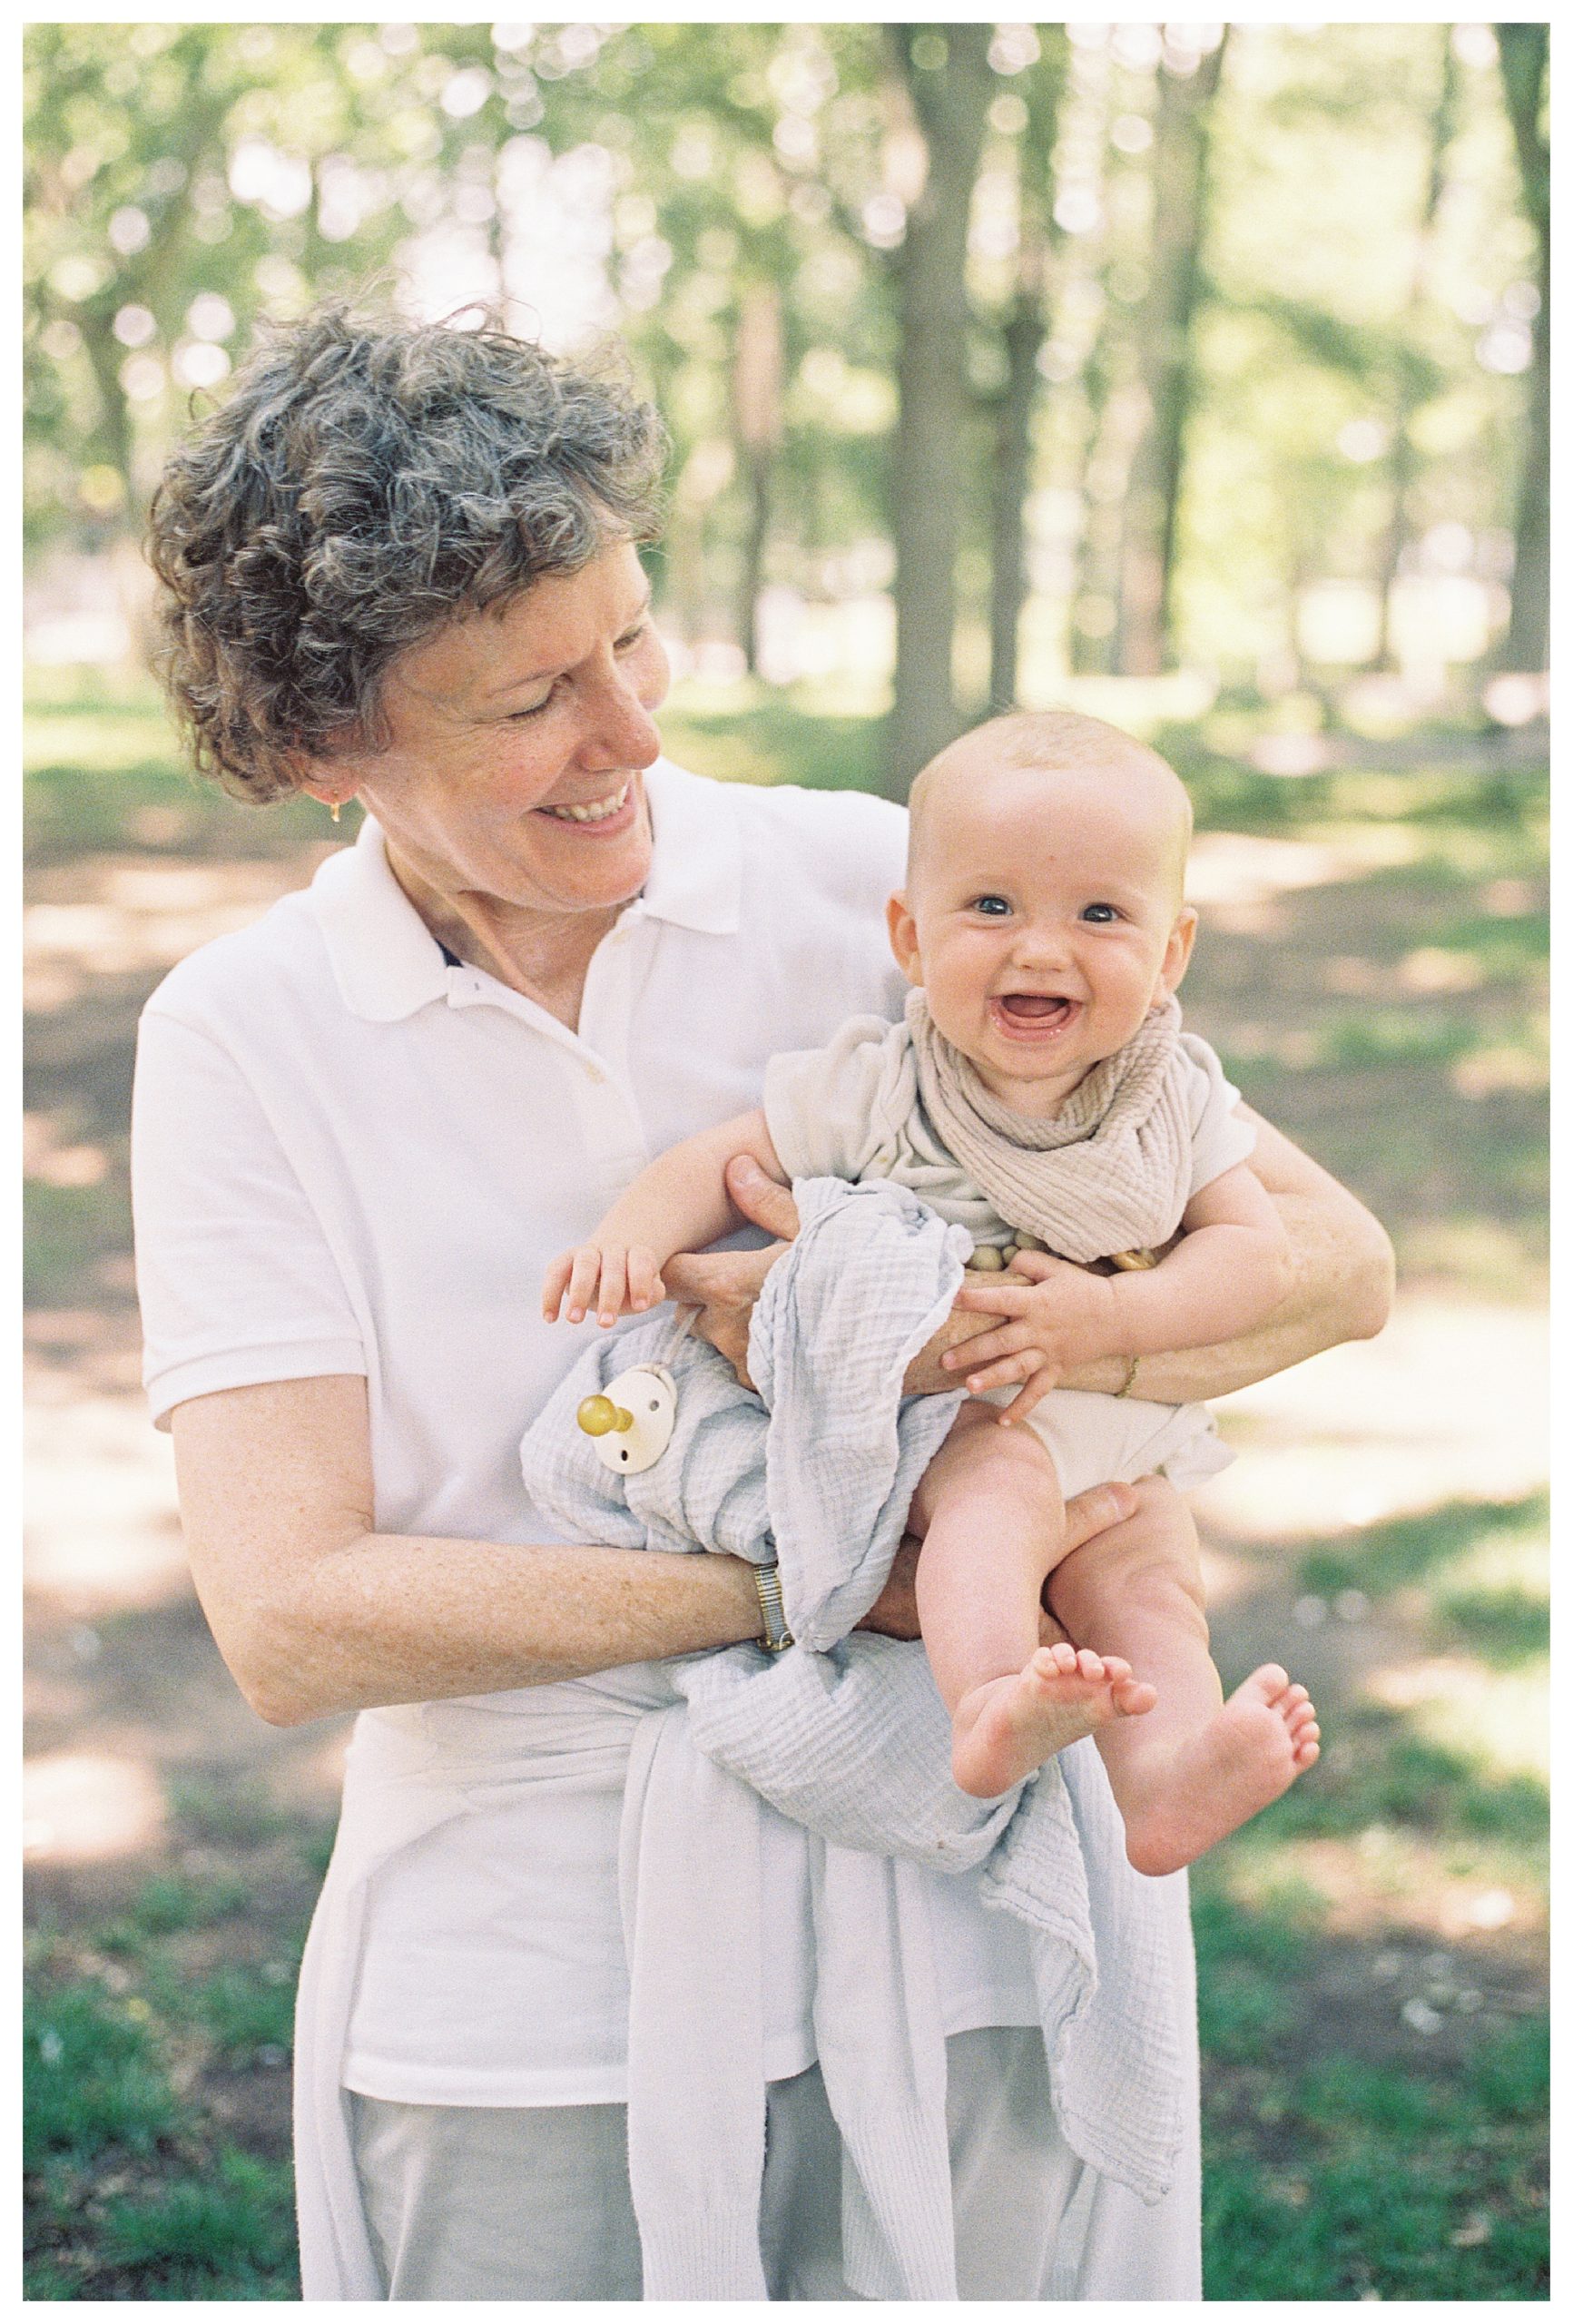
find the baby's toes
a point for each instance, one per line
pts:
(1057, 1661)
(1090, 1665)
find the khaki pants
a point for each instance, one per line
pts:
(488, 2203)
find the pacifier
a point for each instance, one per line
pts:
(632, 1419)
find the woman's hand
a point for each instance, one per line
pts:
(724, 1284)
(894, 1612)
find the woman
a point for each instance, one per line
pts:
(401, 566)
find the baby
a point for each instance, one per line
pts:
(1040, 1092)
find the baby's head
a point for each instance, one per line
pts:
(1044, 909)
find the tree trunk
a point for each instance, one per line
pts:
(1402, 463)
(1024, 335)
(1527, 645)
(1163, 343)
(927, 476)
(756, 393)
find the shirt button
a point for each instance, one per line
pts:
(595, 1074)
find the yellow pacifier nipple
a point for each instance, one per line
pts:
(599, 1416)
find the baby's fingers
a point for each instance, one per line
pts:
(554, 1285)
(1033, 1391)
(994, 1296)
(1008, 1340)
(1008, 1369)
(583, 1281)
(613, 1294)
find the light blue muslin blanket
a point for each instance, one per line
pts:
(845, 1733)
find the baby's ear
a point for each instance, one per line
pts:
(903, 931)
(1177, 951)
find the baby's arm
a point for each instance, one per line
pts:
(1227, 1272)
(680, 1203)
(1226, 1275)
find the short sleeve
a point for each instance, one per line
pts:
(1219, 1139)
(235, 1276)
(827, 1109)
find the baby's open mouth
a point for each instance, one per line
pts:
(1033, 1012)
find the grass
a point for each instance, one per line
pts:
(1374, 2107)
(1393, 2186)
(137, 2029)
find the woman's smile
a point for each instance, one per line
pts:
(591, 810)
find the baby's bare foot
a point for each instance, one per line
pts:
(1008, 1726)
(1237, 1764)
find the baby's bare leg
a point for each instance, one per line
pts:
(1196, 1767)
(992, 1521)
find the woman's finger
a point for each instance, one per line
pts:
(720, 1278)
(644, 1284)
(554, 1287)
(1089, 1513)
(761, 1202)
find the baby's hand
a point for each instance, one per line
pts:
(1059, 1317)
(611, 1278)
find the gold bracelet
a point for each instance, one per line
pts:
(1129, 1382)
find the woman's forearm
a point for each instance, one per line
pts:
(316, 1611)
(393, 1617)
(1341, 1287)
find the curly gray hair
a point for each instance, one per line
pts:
(362, 483)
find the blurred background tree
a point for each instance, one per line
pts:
(993, 354)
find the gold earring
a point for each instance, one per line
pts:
(334, 808)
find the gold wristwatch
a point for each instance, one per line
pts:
(777, 1637)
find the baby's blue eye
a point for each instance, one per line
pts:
(1100, 914)
(993, 906)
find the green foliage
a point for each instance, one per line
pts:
(185, 182)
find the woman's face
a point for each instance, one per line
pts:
(517, 745)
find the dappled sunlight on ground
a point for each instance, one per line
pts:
(101, 1531)
(1241, 867)
(1448, 1403)
(80, 1806)
(1496, 1717)
(116, 917)
(1388, 1880)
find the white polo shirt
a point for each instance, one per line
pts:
(352, 1156)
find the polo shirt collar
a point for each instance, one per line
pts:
(388, 963)
(696, 870)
